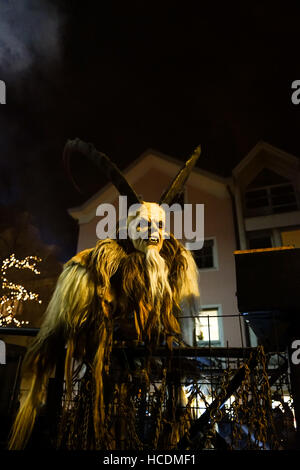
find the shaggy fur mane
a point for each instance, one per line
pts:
(100, 288)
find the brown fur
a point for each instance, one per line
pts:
(98, 288)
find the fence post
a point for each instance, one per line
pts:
(295, 389)
(55, 395)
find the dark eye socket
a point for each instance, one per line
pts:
(143, 224)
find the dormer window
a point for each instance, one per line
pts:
(269, 193)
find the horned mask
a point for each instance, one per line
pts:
(137, 296)
(146, 225)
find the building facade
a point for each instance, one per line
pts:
(256, 207)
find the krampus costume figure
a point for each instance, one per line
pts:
(123, 292)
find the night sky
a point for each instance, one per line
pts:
(129, 76)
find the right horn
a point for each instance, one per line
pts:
(179, 181)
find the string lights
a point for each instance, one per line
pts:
(17, 292)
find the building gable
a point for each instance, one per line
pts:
(150, 175)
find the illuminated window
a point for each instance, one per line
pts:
(291, 238)
(207, 326)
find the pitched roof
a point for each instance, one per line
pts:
(270, 149)
(148, 160)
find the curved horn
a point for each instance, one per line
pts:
(103, 162)
(179, 181)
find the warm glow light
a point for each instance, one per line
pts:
(17, 291)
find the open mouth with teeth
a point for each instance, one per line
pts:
(153, 241)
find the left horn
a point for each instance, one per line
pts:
(104, 163)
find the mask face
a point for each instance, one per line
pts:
(146, 228)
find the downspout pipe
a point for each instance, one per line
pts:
(235, 219)
(238, 247)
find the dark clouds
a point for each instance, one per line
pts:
(29, 31)
(130, 75)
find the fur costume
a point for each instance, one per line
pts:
(130, 292)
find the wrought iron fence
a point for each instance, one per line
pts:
(214, 396)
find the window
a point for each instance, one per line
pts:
(291, 238)
(260, 239)
(271, 200)
(260, 242)
(206, 258)
(269, 193)
(207, 326)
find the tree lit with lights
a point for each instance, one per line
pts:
(15, 293)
